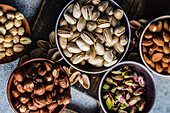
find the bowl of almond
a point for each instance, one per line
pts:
(14, 34)
(155, 46)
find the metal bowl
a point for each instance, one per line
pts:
(140, 45)
(59, 109)
(89, 68)
(150, 92)
(25, 24)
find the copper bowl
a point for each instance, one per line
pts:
(140, 45)
(150, 91)
(25, 24)
(59, 109)
(89, 68)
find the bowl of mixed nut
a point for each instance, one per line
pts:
(127, 88)
(38, 86)
(155, 46)
(92, 35)
(14, 34)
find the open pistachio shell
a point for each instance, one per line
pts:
(74, 77)
(84, 80)
(44, 44)
(36, 53)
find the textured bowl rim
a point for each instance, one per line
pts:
(91, 72)
(123, 63)
(19, 66)
(140, 45)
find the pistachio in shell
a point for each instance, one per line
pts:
(44, 45)
(118, 14)
(134, 100)
(84, 80)
(51, 52)
(52, 38)
(36, 53)
(103, 5)
(57, 57)
(73, 48)
(74, 77)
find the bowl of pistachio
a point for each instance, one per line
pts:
(127, 88)
(14, 34)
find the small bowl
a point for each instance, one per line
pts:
(140, 45)
(59, 109)
(25, 23)
(89, 68)
(150, 92)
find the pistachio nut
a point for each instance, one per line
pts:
(70, 19)
(82, 45)
(107, 35)
(79, 59)
(95, 15)
(65, 32)
(76, 11)
(118, 47)
(73, 48)
(108, 64)
(86, 12)
(63, 42)
(67, 53)
(91, 26)
(96, 2)
(81, 24)
(108, 55)
(123, 40)
(91, 54)
(103, 6)
(87, 37)
(118, 31)
(99, 48)
(118, 14)
(115, 39)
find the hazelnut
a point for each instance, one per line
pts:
(29, 86)
(49, 87)
(63, 82)
(23, 108)
(18, 76)
(56, 73)
(31, 106)
(39, 102)
(39, 89)
(56, 82)
(48, 98)
(42, 71)
(43, 111)
(15, 93)
(48, 77)
(17, 103)
(30, 72)
(20, 88)
(36, 111)
(24, 98)
(52, 107)
(15, 82)
(67, 98)
(48, 66)
(61, 90)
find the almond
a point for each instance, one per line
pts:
(158, 41)
(157, 57)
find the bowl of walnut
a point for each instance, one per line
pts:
(14, 34)
(38, 86)
(155, 46)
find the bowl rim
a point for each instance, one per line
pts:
(19, 66)
(140, 45)
(92, 72)
(28, 31)
(124, 63)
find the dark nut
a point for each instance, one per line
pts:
(54, 93)
(24, 98)
(37, 64)
(153, 27)
(32, 95)
(52, 107)
(31, 106)
(30, 72)
(56, 73)
(39, 89)
(15, 93)
(60, 99)
(157, 57)
(48, 66)
(20, 88)
(23, 108)
(61, 90)
(39, 102)
(29, 86)
(17, 103)
(166, 36)
(147, 42)
(67, 98)
(48, 98)
(158, 41)
(63, 82)
(42, 71)
(36, 111)
(159, 69)
(15, 82)
(43, 111)
(148, 35)
(49, 87)
(48, 77)
(56, 82)
(18, 76)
